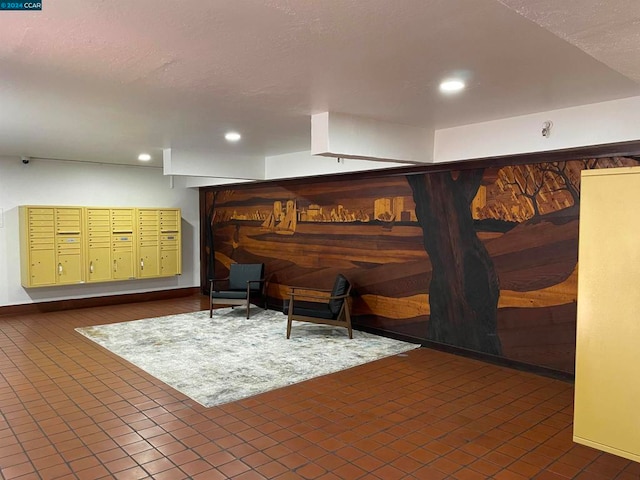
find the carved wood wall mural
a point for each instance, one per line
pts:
(484, 259)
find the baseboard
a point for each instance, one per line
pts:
(485, 357)
(71, 304)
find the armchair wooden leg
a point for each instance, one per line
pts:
(248, 308)
(289, 318)
(347, 318)
(211, 299)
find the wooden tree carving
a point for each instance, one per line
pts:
(464, 290)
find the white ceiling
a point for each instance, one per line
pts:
(104, 80)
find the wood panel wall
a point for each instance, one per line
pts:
(483, 258)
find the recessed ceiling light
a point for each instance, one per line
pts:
(451, 85)
(144, 157)
(232, 136)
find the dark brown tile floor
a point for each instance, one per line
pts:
(72, 410)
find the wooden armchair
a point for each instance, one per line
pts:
(245, 280)
(329, 307)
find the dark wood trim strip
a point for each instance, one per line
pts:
(74, 303)
(204, 224)
(463, 352)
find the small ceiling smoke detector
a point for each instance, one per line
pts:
(451, 85)
(144, 157)
(232, 136)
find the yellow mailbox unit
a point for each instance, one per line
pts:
(70, 245)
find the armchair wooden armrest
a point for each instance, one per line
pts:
(324, 298)
(311, 289)
(249, 282)
(309, 293)
(217, 280)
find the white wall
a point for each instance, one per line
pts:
(598, 123)
(296, 165)
(303, 164)
(204, 163)
(47, 182)
(349, 136)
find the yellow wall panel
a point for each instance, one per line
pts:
(607, 389)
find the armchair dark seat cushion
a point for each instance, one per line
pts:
(229, 294)
(245, 280)
(329, 307)
(320, 310)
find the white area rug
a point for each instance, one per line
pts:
(227, 357)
